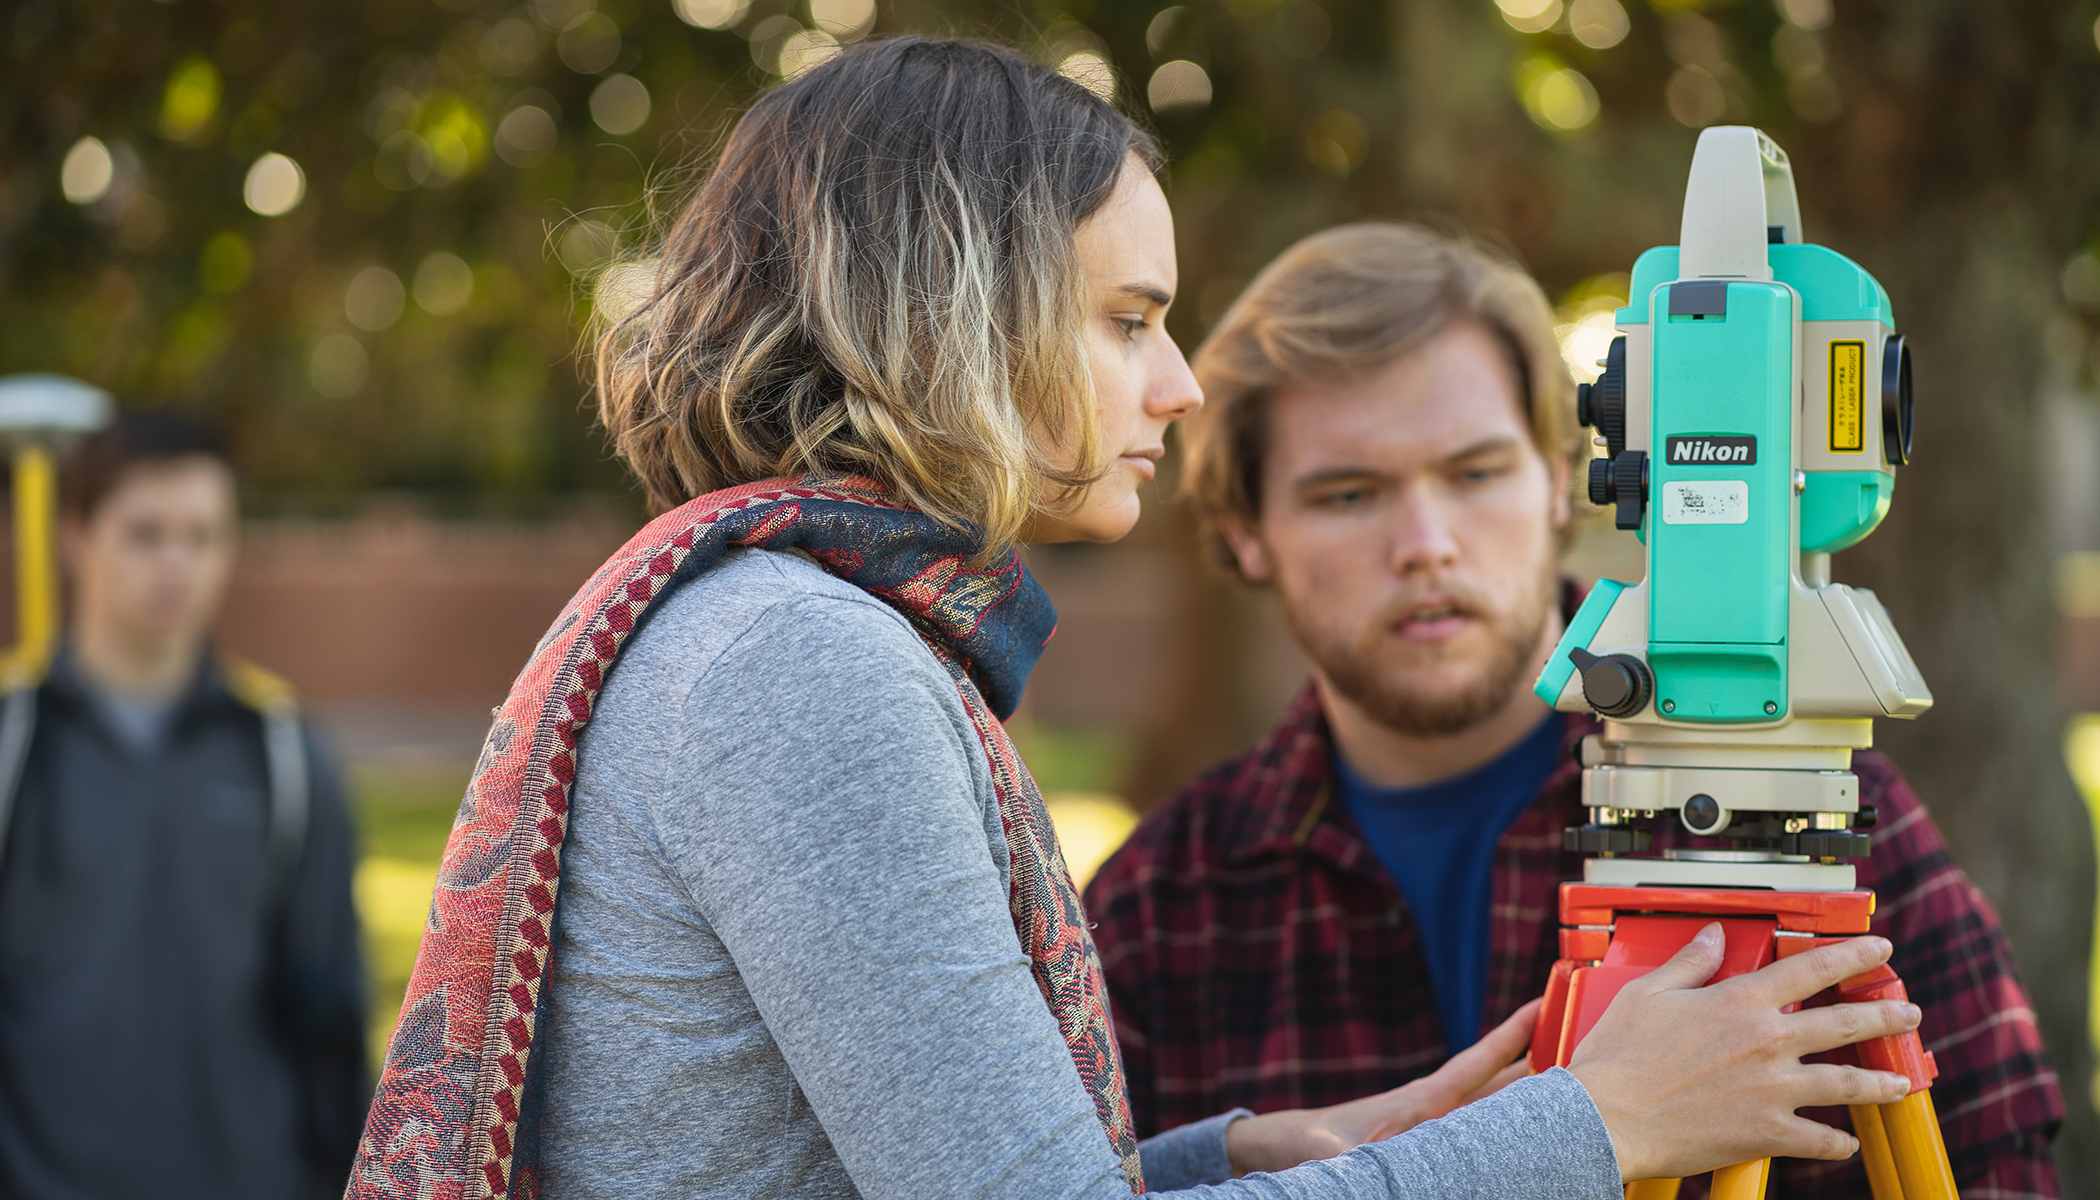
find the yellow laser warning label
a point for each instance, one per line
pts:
(1848, 397)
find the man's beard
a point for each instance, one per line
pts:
(1352, 665)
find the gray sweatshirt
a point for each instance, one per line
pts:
(785, 965)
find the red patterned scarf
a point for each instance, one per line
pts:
(457, 1111)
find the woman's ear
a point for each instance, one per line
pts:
(1247, 548)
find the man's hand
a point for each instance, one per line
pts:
(1690, 1078)
(1273, 1141)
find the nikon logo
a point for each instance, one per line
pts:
(1718, 449)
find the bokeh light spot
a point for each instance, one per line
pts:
(1695, 97)
(192, 99)
(1336, 142)
(590, 44)
(620, 105)
(1598, 24)
(711, 14)
(1556, 96)
(1808, 14)
(337, 366)
(275, 185)
(1178, 85)
(87, 171)
(1090, 71)
(225, 264)
(444, 283)
(1162, 29)
(1529, 16)
(846, 20)
(2081, 282)
(374, 299)
(525, 136)
(806, 49)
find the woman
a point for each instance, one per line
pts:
(815, 937)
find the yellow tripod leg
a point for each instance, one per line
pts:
(1653, 1189)
(1914, 1140)
(1874, 1152)
(1743, 1181)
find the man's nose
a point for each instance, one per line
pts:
(1424, 538)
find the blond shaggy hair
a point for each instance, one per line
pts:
(1341, 305)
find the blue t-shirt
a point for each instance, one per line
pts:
(1438, 843)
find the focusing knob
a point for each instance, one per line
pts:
(1629, 487)
(1600, 481)
(1602, 405)
(1616, 685)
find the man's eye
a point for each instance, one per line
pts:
(1482, 474)
(1346, 498)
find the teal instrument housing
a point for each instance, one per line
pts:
(1832, 287)
(1840, 508)
(1720, 565)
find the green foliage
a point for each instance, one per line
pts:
(529, 142)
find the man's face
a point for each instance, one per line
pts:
(151, 562)
(1408, 526)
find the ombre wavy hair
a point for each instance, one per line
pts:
(878, 277)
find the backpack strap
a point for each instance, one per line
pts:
(17, 731)
(284, 763)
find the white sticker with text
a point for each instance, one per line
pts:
(1706, 502)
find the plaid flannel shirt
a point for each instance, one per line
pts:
(1258, 954)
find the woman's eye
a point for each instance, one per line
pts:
(1128, 326)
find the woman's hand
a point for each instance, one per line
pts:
(1273, 1141)
(1689, 1078)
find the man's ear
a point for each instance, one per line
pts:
(1247, 548)
(1563, 468)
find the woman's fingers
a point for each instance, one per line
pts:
(1792, 980)
(1690, 967)
(1814, 1030)
(1830, 1084)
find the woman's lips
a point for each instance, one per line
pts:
(1142, 465)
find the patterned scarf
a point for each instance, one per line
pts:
(456, 1116)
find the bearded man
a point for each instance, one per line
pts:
(1387, 445)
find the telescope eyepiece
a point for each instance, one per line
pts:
(1895, 401)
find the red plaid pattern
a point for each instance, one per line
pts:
(1258, 954)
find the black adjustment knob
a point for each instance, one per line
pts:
(1603, 405)
(1867, 817)
(1582, 405)
(1600, 481)
(1629, 488)
(1605, 839)
(1704, 815)
(1616, 685)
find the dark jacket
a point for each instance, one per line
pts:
(172, 1024)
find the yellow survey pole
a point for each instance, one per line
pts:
(36, 558)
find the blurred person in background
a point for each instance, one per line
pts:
(181, 998)
(1389, 446)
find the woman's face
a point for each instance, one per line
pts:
(1142, 383)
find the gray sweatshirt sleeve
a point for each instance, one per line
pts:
(833, 832)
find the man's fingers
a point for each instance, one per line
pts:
(1691, 966)
(1792, 980)
(1815, 1030)
(1473, 1066)
(1503, 1078)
